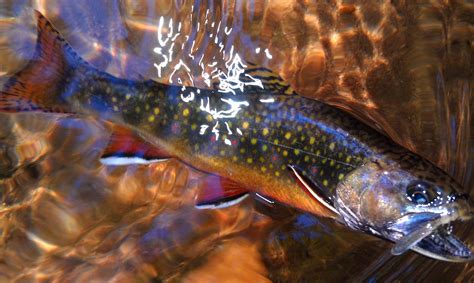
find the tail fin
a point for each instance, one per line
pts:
(38, 86)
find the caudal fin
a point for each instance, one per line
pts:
(39, 85)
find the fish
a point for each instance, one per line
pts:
(260, 139)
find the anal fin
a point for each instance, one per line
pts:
(218, 192)
(127, 147)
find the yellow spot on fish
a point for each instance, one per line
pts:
(285, 153)
(297, 151)
(341, 176)
(324, 138)
(261, 159)
(283, 167)
(264, 147)
(193, 127)
(258, 119)
(325, 160)
(137, 109)
(332, 145)
(242, 150)
(222, 152)
(156, 110)
(114, 99)
(185, 112)
(287, 135)
(249, 160)
(147, 106)
(332, 163)
(265, 131)
(209, 118)
(348, 159)
(263, 168)
(306, 158)
(115, 108)
(151, 118)
(312, 140)
(275, 141)
(234, 158)
(322, 172)
(299, 128)
(128, 96)
(245, 125)
(253, 141)
(325, 182)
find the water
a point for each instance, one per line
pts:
(405, 67)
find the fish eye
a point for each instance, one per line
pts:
(421, 193)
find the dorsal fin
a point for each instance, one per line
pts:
(271, 81)
(261, 80)
(41, 82)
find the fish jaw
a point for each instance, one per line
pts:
(442, 245)
(439, 243)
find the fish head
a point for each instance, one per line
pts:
(410, 203)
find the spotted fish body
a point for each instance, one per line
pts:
(253, 148)
(262, 138)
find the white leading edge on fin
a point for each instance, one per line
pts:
(222, 204)
(308, 188)
(264, 198)
(122, 161)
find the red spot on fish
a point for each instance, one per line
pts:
(175, 128)
(274, 157)
(314, 170)
(234, 142)
(213, 138)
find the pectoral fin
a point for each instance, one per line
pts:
(313, 189)
(218, 192)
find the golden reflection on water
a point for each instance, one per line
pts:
(66, 217)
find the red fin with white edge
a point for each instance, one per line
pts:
(218, 192)
(40, 84)
(127, 147)
(313, 192)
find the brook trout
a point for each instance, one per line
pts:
(262, 138)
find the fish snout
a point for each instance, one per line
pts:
(463, 205)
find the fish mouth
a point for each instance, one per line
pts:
(430, 235)
(443, 245)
